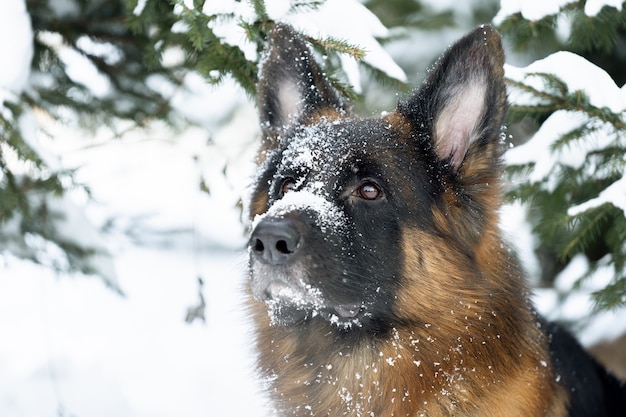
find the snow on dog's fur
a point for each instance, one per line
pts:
(380, 284)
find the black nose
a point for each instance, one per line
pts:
(276, 241)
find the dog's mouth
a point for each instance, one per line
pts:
(285, 313)
(290, 304)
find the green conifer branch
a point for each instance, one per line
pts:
(340, 46)
(613, 296)
(576, 101)
(581, 238)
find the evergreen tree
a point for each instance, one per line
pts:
(34, 214)
(573, 165)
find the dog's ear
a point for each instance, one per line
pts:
(291, 87)
(463, 101)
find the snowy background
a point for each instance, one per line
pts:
(70, 346)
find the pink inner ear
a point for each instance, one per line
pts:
(290, 100)
(457, 124)
(454, 147)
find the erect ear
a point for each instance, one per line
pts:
(291, 86)
(463, 101)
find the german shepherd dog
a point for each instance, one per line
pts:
(380, 283)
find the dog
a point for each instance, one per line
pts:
(380, 284)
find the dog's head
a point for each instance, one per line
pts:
(336, 196)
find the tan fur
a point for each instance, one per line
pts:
(258, 205)
(421, 371)
(324, 114)
(486, 340)
(400, 123)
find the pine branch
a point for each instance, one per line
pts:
(613, 296)
(576, 101)
(260, 10)
(581, 239)
(339, 46)
(306, 5)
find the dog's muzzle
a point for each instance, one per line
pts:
(278, 262)
(275, 246)
(278, 278)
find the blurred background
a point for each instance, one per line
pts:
(127, 139)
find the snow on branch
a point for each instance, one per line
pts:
(586, 112)
(574, 167)
(535, 10)
(323, 21)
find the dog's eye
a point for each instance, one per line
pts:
(369, 191)
(289, 184)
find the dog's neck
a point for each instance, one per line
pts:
(445, 374)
